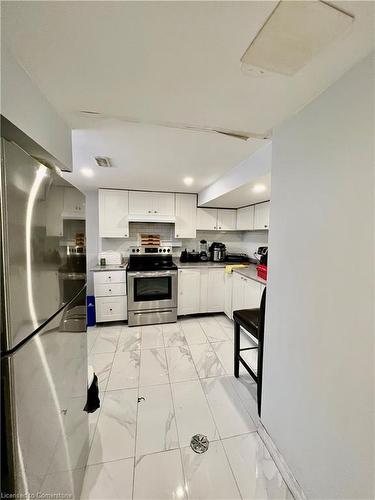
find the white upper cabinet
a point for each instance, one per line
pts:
(262, 215)
(245, 218)
(226, 219)
(74, 204)
(206, 219)
(151, 203)
(209, 219)
(163, 203)
(141, 202)
(113, 213)
(186, 216)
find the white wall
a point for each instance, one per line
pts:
(25, 106)
(319, 346)
(92, 237)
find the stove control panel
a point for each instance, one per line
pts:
(150, 250)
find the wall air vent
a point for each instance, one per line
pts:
(293, 35)
(103, 161)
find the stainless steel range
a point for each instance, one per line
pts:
(152, 286)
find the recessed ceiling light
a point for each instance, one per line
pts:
(259, 188)
(188, 181)
(87, 172)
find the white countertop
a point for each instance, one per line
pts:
(250, 272)
(121, 267)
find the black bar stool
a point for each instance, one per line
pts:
(251, 320)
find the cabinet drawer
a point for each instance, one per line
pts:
(110, 289)
(103, 277)
(111, 308)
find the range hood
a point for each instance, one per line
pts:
(171, 219)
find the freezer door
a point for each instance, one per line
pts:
(48, 387)
(34, 259)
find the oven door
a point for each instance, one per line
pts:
(152, 290)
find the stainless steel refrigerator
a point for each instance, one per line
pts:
(44, 427)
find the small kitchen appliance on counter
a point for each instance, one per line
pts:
(203, 251)
(192, 256)
(217, 251)
(236, 257)
(262, 255)
(152, 286)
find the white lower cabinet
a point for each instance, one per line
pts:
(246, 292)
(189, 291)
(215, 292)
(228, 290)
(111, 308)
(200, 290)
(110, 296)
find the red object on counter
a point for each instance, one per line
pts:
(262, 272)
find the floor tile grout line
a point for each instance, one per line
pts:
(212, 414)
(136, 419)
(178, 435)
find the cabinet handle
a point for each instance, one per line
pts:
(219, 227)
(177, 235)
(125, 235)
(214, 227)
(110, 309)
(265, 225)
(109, 290)
(155, 211)
(149, 211)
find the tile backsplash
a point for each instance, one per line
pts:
(235, 241)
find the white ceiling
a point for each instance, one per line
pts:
(165, 61)
(146, 157)
(244, 195)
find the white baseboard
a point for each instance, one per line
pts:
(281, 464)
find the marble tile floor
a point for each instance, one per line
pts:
(160, 385)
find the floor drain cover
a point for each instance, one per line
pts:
(199, 443)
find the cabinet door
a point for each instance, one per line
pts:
(228, 291)
(238, 292)
(252, 290)
(216, 291)
(113, 213)
(262, 215)
(111, 308)
(163, 204)
(245, 218)
(226, 219)
(186, 216)
(188, 291)
(74, 203)
(207, 219)
(54, 212)
(203, 291)
(141, 202)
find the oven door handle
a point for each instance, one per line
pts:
(158, 311)
(152, 274)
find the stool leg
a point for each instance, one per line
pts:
(236, 349)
